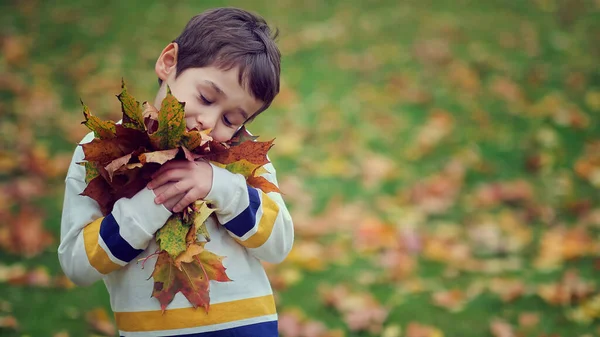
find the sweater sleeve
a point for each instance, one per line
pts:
(92, 245)
(258, 221)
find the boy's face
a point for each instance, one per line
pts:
(213, 97)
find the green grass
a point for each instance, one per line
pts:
(319, 40)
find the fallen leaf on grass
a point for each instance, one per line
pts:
(568, 290)
(453, 300)
(507, 289)
(25, 233)
(528, 320)
(501, 328)
(415, 329)
(9, 322)
(100, 321)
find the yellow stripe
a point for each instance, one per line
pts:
(96, 255)
(270, 209)
(190, 317)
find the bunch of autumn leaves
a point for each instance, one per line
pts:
(120, 161)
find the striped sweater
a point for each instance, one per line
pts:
(250, 226)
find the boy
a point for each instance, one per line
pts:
(225, 67)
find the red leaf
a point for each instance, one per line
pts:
(166, 284)
(213, 265)
(96, 190)
(195, 284)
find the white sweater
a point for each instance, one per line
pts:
(252, 226)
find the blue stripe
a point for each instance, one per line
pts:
(121, 249)
(244, 222)
(265, 329)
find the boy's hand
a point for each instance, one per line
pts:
(185, 182)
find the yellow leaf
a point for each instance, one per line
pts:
(188, 256)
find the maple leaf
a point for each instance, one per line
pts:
(91, 171)
(102, 129)
(188, 256)
(171, 237)
(116, 164)
(96, 189)
(191, 279)
(171, 123)
(166, 284)
(243, 167)
(200, 213)
(263, 184)
(132, 111)
(241, 136)
(253, 152)
(159, 157)
(150, 117)
(103, 151)
(195, 138)
(213, 265)
(195, 284)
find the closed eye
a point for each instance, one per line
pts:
(227, 121)
(204, 100)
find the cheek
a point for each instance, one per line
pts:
(222, 134)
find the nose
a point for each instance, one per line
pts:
(207, 120)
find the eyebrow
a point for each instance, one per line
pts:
(217, 89)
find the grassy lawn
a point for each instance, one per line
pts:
(441, 159)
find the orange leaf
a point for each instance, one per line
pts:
(188, 255)
(254, 152)
(262, 184)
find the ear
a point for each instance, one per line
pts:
(167, 61)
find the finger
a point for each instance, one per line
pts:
(173, 190)
(159, 190)
(190, 197)
(171, 202)
(167, 176)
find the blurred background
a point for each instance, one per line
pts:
(441, 160)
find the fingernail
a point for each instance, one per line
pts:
(157, 201)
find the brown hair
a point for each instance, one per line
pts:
(232, 37)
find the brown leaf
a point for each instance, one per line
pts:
(159, 157)
(253, 152)
(25, 233)
(195, 284)
(96, 190)
(150, 114)
(104, 151)
(116, 164)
